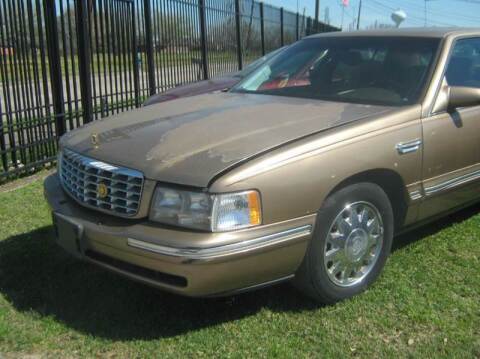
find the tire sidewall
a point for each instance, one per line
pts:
(361, 192)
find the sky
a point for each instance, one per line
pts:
(439, 12)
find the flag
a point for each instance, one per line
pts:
(345, 3)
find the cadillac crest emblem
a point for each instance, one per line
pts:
(102, 190)
(95, 140)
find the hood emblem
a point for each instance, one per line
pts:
(95, 140)
(102, 190)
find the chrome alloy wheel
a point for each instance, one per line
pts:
(353, 245)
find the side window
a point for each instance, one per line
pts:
(464, 66)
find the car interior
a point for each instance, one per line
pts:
(394, 73)
(464, 66)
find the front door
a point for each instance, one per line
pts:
(451, 166)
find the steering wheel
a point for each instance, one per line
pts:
(388, 84)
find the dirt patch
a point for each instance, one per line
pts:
(22, 182)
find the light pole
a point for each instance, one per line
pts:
(425, 1)
(425, 25)
(359, 13)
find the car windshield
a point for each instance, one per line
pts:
(247, 70)
(371, 70)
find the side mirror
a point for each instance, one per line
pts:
(463, 97)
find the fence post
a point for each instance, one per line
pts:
(297, 24)
(309, 26)
(149, 46)
(55, 67)
(281, 27)
(239, 39)
(3, 147)
(136, 69)
(203, 38)
(84, 69)
(262, 29)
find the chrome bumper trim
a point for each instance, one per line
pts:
(224, 250)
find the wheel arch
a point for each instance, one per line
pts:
(390, 181)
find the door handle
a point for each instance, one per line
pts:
(408, 147)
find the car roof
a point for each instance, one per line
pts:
(433, 32)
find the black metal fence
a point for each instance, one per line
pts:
(64, 63)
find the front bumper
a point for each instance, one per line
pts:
(181, 261)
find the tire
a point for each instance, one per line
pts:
(347, 217)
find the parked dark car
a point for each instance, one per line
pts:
(215, 84)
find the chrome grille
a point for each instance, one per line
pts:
(101, 185)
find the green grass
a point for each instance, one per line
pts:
(426, 304)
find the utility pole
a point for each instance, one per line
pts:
(425, 13)
(317, 12)
(425, 1)
(359, 13)
(343, 15)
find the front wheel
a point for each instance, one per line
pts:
(352, 240)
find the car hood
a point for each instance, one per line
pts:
(193, 89)
(190, 141)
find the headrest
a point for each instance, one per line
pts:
(351, 58)
(458, 70)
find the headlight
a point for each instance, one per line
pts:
(181, 208)
(236, 210)
(200, 210)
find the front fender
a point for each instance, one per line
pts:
(295, 180)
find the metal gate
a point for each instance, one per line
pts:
(64, 63)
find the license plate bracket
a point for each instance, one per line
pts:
(68, 234)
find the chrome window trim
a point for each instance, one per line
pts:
(223, 250)
(451, 41)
